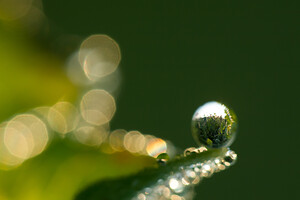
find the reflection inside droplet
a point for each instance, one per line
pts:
(211, 108)
(214, 125)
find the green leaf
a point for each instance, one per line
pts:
(131, 186)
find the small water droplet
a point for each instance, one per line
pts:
(175, 197)
(176, 185)
(189, 176)
(162, 159)
(207, 170)
(141, 196)
(229, 158)
(161, 162)
(164, 156)
(218, 164)
(189, 151)
(148, 190)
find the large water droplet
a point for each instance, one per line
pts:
(214, 125)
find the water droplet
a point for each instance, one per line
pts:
(214, 125)
(176, 185)
(207, 170)
(219, 164)
(175, 197)
(156, 146)
(189, 177)
(162, 159)
(163, 156)
(141, 196)
(162, 191)
(202, 149)
(196, 170)
(229, 158)
(189, 151)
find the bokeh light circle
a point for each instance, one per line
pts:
(92, 135)
(25, 136)
(99, 55)
(63, 117)
(97, 107)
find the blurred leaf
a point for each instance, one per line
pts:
(30, 73)
(64, 169)
(128, 187)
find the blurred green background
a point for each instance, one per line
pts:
(177, 55)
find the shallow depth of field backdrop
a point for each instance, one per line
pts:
(176, 55)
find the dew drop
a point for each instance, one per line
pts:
(229, 158)
(176, 185)
(214, 125)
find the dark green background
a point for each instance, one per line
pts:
(176, 55)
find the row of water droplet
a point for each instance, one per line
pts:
(179, 184)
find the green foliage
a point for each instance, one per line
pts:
(64, 169)
(30, 76)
